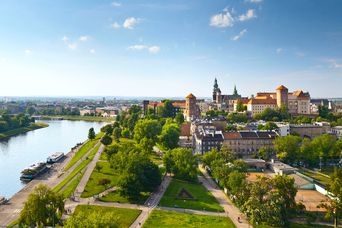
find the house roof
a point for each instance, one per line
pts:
(263, 101)
(282, 87)
(190, 96)
(231, 135)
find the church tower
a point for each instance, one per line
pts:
(216, 91)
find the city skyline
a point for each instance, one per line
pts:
(134, 48)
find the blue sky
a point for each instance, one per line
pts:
(169, 48)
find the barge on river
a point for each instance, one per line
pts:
(33, 171)
(55, 157)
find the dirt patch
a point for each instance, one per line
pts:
(310, 198)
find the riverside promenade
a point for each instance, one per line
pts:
(11, 211)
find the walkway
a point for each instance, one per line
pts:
(152, 202)
(88, 172)
(232, 211)
(11, 211)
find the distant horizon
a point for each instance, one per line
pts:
(170, 48)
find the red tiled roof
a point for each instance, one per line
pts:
(263, 101)
(231, 135)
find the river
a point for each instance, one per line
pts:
(20, 151)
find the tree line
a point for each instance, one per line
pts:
(11, 122)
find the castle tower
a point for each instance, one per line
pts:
(191, 109)
(282, 96)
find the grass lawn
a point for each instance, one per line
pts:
(117, 198)
(318, 177)
(295, 225)
(70, 188)
(78, 169)
(202, 199)
(80, 153)
(106, 172)
(21, 130)
(160, 218)
(126, 216)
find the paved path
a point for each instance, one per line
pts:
(195, 212)
(232, 211)
(83, 182)
(10, 212)
(152, 202)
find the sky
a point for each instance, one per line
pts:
(169, 48)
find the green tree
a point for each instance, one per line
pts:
(91, 134)
(324, 146)
(179, 118)
(117, 133)
(288, 148)
(30, 110)
(334, 203)
(106, 140)
(42, 208)
(266, 153)
(146, 133)
(181, 163)
(108, 129)
(167, 110)
(169, 136)
(239, 106)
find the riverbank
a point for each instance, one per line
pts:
(84, 118)
(32, 127)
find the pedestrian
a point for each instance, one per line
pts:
(239, 219)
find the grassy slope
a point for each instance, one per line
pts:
(21, 130)
(318, 177)
(78, 169)
(126, 216)
(93, 187)
(203, 199)
(80, 153)
(160, 218)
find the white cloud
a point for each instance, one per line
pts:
(115, 25)
(248, 15)
(84, 38)
(139, 47)
(28, 51)
(237, 37)
(279, 50)
(335, 64)
(154, 49)
(72, 46)
(222, 20)
(92, 51)
(130, 22)
(116, 4)
(65, 39)
(255, 1)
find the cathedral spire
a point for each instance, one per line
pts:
(235, 91)
(215, 84)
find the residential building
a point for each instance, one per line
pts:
(247, 143)
(205, 138)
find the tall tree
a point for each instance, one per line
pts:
(106, 140)
(169, 136)
(91, 134)
(181, 163)
(146, 133)
(287, 147)
(42, 208)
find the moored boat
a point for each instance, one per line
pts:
(33, 171)
(55, 157)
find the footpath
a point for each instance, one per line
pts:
(232, 211)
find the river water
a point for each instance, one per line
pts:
(18, 152)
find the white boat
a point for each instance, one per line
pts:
(55, 157)
(33, 171)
